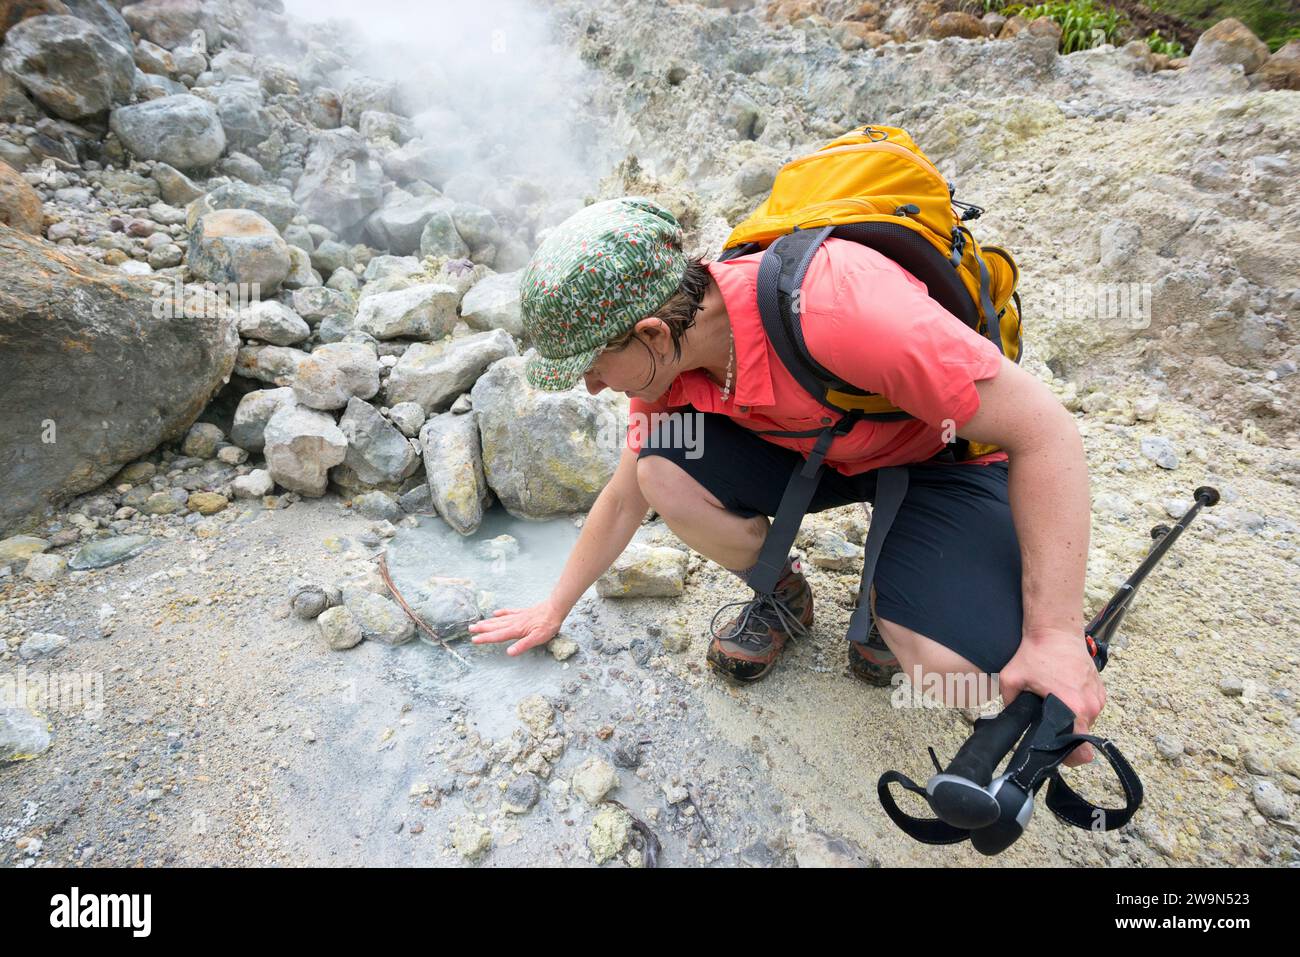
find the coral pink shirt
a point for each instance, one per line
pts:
(871, 323)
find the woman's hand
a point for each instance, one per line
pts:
(1057, 662)
(531, 626)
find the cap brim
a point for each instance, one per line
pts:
(556, 375)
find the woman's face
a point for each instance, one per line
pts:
(642, 369)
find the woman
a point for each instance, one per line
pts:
(982, 571)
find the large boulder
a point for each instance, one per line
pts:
(301, 446)
(341, 184)
(253, 412)
(398, 225)
(424, 311)
(1229, 42)
(1282, 71)
(434, 374)
(334, 373)
(493, 303)
(545, 453)
(20, 206)
(97, 371)
(378, 454)
(68, 66)
(168, 23)
(239, 246)
(274, 202)
(243, 114)
(453, 465)
(182, 130)
(104, 17)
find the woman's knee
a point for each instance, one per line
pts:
(665, 484)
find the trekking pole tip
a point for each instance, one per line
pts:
(1207, 495)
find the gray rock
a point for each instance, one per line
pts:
(99, 330)
(331, 255)
(176, 188)
(41, 644)
(377, 452)
(253, 412)
(493, 303)
(362, 93)
(544, 453)
(169, 23)
(23, 735)
(594, 779)
(239, 246)
(255, 484)
(398, 225)
(270, 321)
(380, 620)
(447, 605)
(521, 794)
(202, 439)
(103, 552)
(379, 506)
(380, 268)
(440, 238)
(1271, 800)
(302, 445)
(336, 372)
(274, 203)
(416, 160)
(435, 374)
(308, 601)
(243, 117)
(182, 131)
(1119, 243)
(1159, 450)
(275, 365)
(418, 501)
(300, 275)
(407, 417)
(316, 303)
(424, 311)
(105, 18)
(341, 184)
(453, 462)
(45, 567)
(67, 65)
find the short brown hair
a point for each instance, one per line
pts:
(678, 313)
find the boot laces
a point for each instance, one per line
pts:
(758, 615)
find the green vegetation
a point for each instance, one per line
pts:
(1084, 24)
(1273, 21)
(1162, 44)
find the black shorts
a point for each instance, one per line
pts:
(950, 566)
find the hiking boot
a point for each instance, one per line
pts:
(872, 661)
(746, 648)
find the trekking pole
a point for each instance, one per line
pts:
(970, 803)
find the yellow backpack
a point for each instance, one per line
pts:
(873, 185)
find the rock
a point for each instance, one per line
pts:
(453, 461)
(815, 849)
(544, 453)
(435, 374)
(339, 628)
(1119, 243)
(68, 66)
(1229, 42)
(40, 645)
(45, 567)
(610, 829)
(440, 237)
(1159, 450)
(470, 839)
(377, 505)
(202, 439)
(562, 648)
(255, 484)
(380, 620)
(416, 160)
(169, 23)
(23, 735)
(493, 303)
(270, 321)
(232, 455)
(594, 779)
(341, 184)
(833, 551)
(521, 794)
(111, 344)
(253, 412)
(1271, 800)
(424, 311)
(644, 571)
(331, 255)
(302, 445)
(273, 203)
(20, 206)
(308, 601)
(398, 225)
(206, 503)
(103, 552)
(377, 452)
(417, 501)
(243, 118)
(447, 605)
(955, 24)
(316, 304)
(336, 372)
(164, 503)
(537, 715)
(103, 15)
(182, 131)
(1169, 748)
(1232, 686)
(238, 246)
(21, 548)
(1282, 71)
(407, 417)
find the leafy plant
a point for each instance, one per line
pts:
(1084, 24)
(1162, 44)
